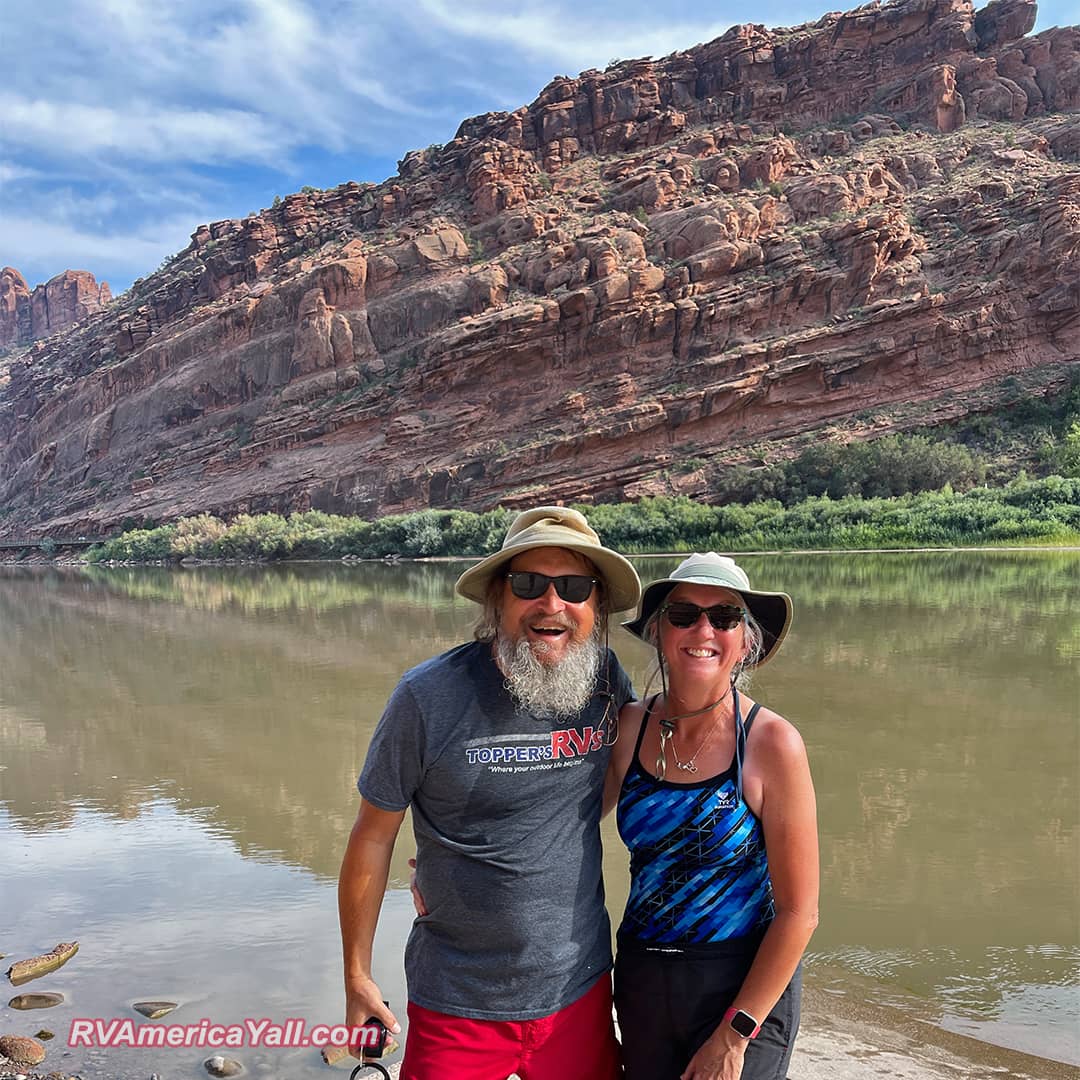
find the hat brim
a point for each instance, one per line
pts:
(771, 611)
(621, 585)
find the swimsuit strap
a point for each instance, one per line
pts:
(644, 723)
(742, 733)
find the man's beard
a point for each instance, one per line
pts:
(549, 691)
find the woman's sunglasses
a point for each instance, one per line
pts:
(528, 585)
(682, 615)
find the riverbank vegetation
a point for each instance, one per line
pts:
(1039, 435)
(1044, 511)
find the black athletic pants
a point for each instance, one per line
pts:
(670, 999)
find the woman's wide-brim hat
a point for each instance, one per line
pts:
(771, 610)
(561, 527)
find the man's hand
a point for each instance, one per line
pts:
(363, 1001)
(720, 1058)
(417, 897)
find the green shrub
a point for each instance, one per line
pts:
(265, 536)
(197, 536)
(1066, 455)
(887, 467)
(137, 545)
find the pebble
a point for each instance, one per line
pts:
(154, 1010)
(35, 1001)
(223, 1066)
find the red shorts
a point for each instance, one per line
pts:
(576, 1043)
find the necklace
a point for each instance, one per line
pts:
(667, 734)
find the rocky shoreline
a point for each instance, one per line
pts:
(839, 1040)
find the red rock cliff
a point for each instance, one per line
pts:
(857, 226)
(61, 302)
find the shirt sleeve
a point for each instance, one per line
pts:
(394, 765)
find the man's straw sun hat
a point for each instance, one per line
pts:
(556, 526)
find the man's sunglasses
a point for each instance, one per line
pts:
(682, 615)
(528, 585)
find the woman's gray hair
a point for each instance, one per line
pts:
(741, 673)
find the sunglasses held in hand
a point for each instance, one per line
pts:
(682, 615)
(528, 585)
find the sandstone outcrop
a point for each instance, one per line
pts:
(866, 224)
(61, 302)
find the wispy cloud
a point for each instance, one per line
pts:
(140, 131)
(9, 172)
(570, 37)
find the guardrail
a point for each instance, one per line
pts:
(56, 543)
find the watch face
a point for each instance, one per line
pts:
(744, 1024)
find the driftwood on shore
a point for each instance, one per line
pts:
(25, 970)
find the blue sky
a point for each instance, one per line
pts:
(124, 124)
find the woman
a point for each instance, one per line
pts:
(716, 805)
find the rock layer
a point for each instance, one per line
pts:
(867, 224)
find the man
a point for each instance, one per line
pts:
(500, 747)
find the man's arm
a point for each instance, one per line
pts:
(361, 887)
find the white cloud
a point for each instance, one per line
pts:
(10, 172)
(59, 129)
(572, 39)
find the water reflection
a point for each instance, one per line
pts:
(938, 695)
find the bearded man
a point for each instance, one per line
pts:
(500, 747)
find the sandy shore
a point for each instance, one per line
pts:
(843, 1040)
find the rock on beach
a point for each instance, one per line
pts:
(21, 1049)
(35, 1001)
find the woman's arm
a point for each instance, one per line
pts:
(789, 819)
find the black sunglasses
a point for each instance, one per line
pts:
(528, 585)
(682, 615)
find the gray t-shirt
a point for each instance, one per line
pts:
(506, 813)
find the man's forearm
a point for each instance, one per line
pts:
(362, 885)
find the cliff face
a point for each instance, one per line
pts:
(861, 225)
(61, 302)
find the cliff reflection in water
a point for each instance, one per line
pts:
(246, 693)
(937, 693)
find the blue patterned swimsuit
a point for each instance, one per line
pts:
(698, 871)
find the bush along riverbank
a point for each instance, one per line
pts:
(1039, 512)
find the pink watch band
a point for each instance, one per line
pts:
(746, 1020)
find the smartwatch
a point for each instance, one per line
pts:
(742, 1023)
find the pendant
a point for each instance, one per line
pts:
(687, 766)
